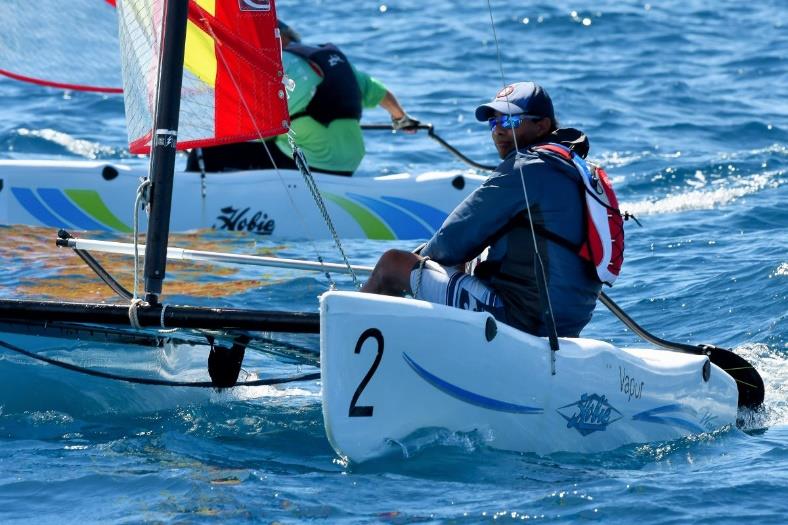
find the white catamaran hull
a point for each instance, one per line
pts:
(27, 385)
(85, 195)
(392, 366)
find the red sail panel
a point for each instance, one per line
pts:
(249, 96)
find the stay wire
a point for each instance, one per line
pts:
(303, 167)
(298, 213)
(537, 254)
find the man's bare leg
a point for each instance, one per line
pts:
(391, 275)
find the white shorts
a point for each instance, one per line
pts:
(452, 287)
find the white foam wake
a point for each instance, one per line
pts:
(83, 148)
(705, 198)
(772, 364)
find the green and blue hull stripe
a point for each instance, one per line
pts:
(372, 227)
(71, 208)
(55, 200)
(404, 225)
(390, 218)
(432, 216)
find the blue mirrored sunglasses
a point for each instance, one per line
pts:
(510, 121)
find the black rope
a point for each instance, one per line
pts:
(431, 132)
(456, 152)
(748, 380)
(150, 381)
(99, 270)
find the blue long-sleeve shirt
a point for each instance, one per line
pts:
(492, 216)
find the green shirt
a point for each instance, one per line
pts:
(338, 146)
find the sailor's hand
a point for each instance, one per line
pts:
(405, 123)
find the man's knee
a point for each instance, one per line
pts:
(393, 270)
(399, 262)
(397, 257)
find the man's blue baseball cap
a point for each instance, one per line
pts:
(522, 98)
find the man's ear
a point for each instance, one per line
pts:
(544, 126)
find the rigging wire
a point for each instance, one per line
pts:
(287, 83)
(152, 381)
(303, 167)
(537, 254)
(135, 302)
(142, 197)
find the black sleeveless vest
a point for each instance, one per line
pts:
(338, 95)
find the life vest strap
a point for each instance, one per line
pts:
(557, 149)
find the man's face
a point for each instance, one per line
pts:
(527, 132)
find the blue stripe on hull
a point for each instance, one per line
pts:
(55, 199)
(34, 207)
(467, 396)
(432, 216)
(404, 226)
(654, 415)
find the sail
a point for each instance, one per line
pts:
(62, 44)
(232, 77)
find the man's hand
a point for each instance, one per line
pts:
(405, 123)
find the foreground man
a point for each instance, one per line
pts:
(495, 216)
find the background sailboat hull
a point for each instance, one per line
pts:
(85, 195)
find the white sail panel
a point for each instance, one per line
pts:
(232, 79)
(61, 44)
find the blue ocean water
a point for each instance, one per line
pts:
(684, 103)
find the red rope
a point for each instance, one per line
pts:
(60, 85)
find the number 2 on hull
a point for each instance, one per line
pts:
(366, 411)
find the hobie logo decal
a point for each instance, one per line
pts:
(254, 5)
(333, 60)
(237, 219)
(591, 414)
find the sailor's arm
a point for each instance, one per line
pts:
(473, 224)
(374, 93)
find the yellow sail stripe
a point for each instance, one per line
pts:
(200, 54)
(208, 5)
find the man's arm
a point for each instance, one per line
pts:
(391, 104)
(374, 93)
(469, 228)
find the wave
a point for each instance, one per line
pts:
(773, 367)
(695, 198)
(50, 141)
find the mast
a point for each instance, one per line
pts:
(164, 139)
